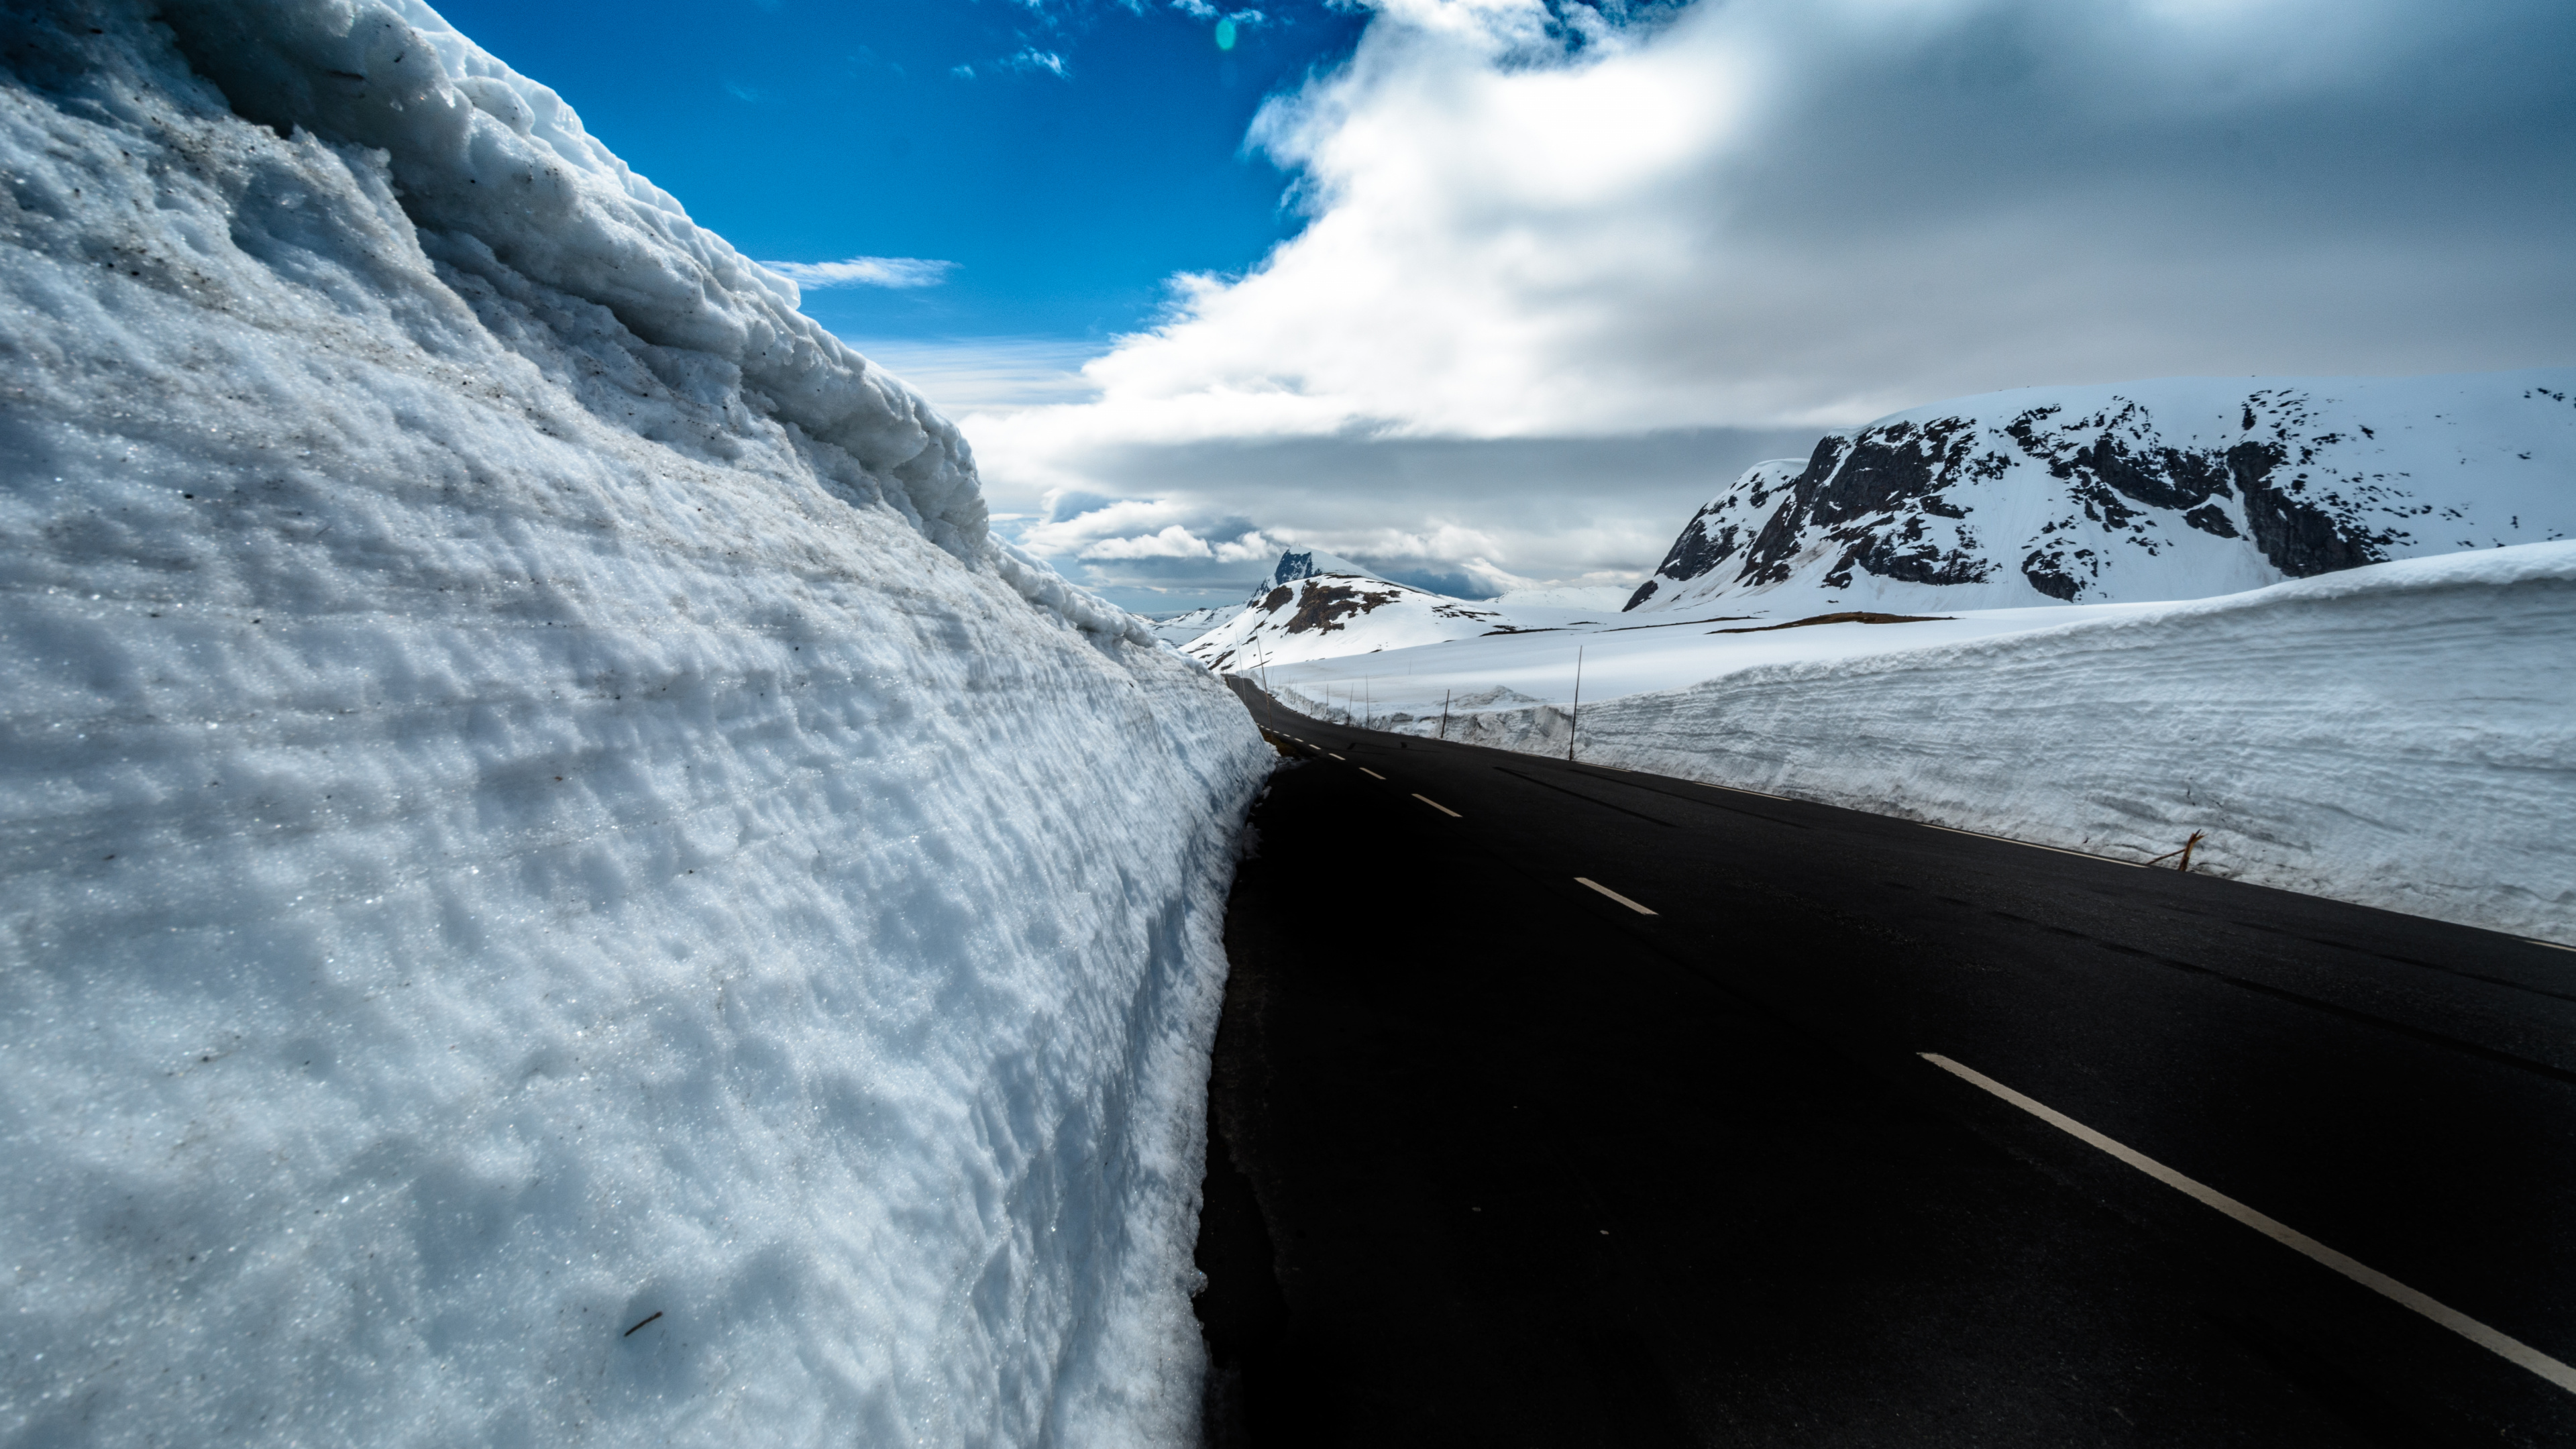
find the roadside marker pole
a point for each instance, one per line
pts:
(1574, 721)
(1444, 714)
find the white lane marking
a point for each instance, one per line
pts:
(2008, 840)
(1436, 805)
(2552, 945)
(1337, 757)
(1614, 895)
(2512, 1349)
(1372, 774)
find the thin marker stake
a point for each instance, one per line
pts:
(1574, 721)
(2504, 1346)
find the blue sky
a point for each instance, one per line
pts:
(1491, 293)
(1066, 159)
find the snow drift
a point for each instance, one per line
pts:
(2402, 735)
(560, 889)
(2178, 488)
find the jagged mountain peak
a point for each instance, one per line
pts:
(2164, 489)
(1308, 563)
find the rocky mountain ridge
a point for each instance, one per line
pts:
(2174, 488)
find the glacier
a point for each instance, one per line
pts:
(562, 888)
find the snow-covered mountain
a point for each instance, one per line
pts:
(1179, 629)
(2169, 489)
(1316, 606)
(558, 886)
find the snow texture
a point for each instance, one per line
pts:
(2178, 488)
(531, 806)
(2401, 735)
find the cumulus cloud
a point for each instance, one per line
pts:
(865, 272)
(1534, 223)
(1172, 542)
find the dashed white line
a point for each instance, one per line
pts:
(1614, 895)
(1372, 774)
(2552, 945)
(2505, 1346)
(1436, 805)
(1337, 757)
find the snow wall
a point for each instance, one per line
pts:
(531, 806)
(2401, 735)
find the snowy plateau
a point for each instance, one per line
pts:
(561, 888)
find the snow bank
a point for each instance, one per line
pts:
(530, 806)
(2402, 735)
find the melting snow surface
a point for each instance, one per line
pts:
(560, 890)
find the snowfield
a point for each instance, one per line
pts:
(560, 888)
(2402, 735)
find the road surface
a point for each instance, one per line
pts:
(1500, 1158)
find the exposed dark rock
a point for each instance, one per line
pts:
(1892, 558)
(1271, 601)
(2047, 573)
(1644, 592)
(1848, 616)
(2167, 478)
(2299, 538)
(1695, 552)
(1324, 606)
(2210, 518)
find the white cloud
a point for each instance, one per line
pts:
(1172, 542)
(1794, 212)
(866, 272)
(1526, 224)
(1030, 58)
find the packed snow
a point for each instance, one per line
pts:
(2177, 488)
(2401, 735)
(561, 889)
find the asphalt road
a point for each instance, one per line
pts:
(1497, 1159)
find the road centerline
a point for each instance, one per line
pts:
(1436, 805)
(2503, 1345)
(1614, 895)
